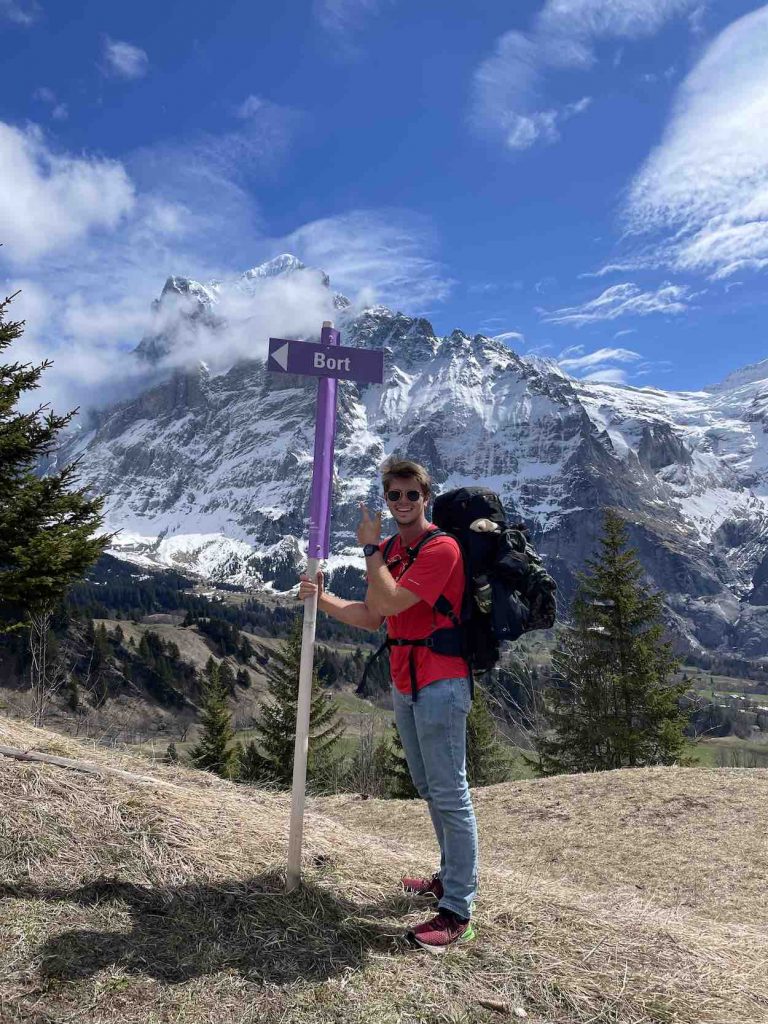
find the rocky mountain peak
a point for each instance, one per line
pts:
(283, 264)
(211, 471)
(750, 374)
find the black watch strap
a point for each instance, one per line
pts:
(370, 549)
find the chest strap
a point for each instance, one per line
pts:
(449, 641)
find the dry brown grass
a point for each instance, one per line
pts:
(619, 898)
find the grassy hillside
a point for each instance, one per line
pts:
(626, 897)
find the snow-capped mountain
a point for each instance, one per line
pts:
(211, 473)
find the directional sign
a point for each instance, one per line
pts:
(338, 361)
(328, 361)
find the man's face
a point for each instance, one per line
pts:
(408, 505)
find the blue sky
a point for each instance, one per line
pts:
(586, 177)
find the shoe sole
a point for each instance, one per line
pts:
(467, 935)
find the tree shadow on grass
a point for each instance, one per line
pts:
(251, 926)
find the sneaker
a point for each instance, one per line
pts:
(442, 932)
(424, 886)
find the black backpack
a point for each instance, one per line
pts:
(508, 592)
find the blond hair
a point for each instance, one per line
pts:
(395, 467)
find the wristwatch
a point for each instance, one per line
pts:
(370, 549)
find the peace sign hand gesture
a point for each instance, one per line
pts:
(369, 530)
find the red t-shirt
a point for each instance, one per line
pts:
(438, 569)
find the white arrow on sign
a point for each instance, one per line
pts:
(280, 355)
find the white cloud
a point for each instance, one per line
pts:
(344, 17)
(608, 364)
(105, 237)
(375, 256)
(706, 184)
(622, 300)
(541, 125)
(607, 376)
(588, 20)
(124, 60)
(50, 200)
(20, 12)
(506, 103)
(250, 106)
(59, 111)
(597, 358)
(508, 336)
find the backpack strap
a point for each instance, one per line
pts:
(413, 552)
(443, 605)
(411, 555)
(388, 547)
(369, 665)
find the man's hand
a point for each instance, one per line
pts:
(369, 530)
(307, 588)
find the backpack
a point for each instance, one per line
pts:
(507, 593)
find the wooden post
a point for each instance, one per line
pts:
(302, 734)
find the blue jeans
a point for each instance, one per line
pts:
(433, 730)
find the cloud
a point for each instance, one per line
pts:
(541, 125)
(622, 300)
(581, 22)
(20, 12)
(507, 86)
(250, 106)
(607, 365)
(379, 255)
(607, 376)
(508, 336)
(49, 200)
(106, 235)
(342, 18)
(705, 186)
(597, 358)
(59, 111)
(124, 60)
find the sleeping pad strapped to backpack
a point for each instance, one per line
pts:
(508, 592)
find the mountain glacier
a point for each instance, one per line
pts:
(210, 472)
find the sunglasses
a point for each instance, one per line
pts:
(410, 495)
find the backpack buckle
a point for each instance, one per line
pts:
(429, 642)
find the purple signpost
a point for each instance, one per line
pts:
(329, 361)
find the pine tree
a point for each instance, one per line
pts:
(47, 525)
(211, 752)
(613, 705)
(253, 767)
(227, 677)
(245, 652)
(400, 782)
(276, 729)
(486, 760)
(144, 651)
(74, 693)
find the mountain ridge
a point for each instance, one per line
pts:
(210, 472)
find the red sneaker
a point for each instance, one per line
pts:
(442, 932)
(424, 886)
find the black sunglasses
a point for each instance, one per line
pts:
(410, 495)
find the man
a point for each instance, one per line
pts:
(430, 692)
